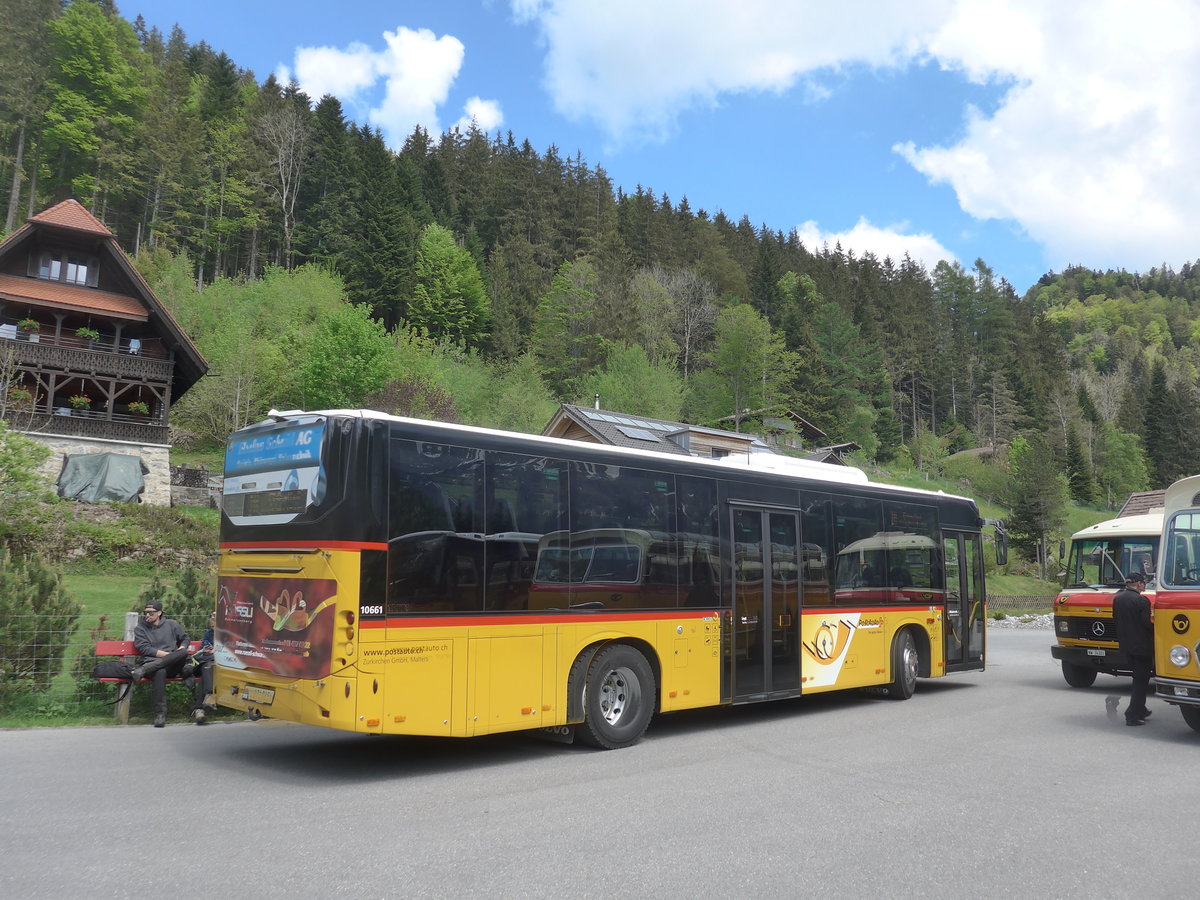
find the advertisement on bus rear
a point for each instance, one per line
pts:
(283, 626)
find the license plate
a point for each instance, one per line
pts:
(1091, 651)
(1181, 692)
(258, 694)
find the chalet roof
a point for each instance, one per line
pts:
(772, 419)
(1141, 502)
(835, 454)
(71, 214)
(640, 432)
(70, 218)
(54, 293)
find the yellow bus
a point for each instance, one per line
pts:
(395, 576)
(1099, 558)
(1177, 603)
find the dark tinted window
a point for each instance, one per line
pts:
(435, 550)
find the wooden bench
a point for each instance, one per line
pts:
(126, 650)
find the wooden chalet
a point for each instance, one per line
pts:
(602, 426)
(90, 359)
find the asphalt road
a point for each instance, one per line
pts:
(1004, 783)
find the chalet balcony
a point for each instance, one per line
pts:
(102, 358)
(53, 368)
(92, 423)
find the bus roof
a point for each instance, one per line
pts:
(754, 462)
(1146, 525)
(1182, 495)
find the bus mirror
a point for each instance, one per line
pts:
(1062, 550)
(1001, 540)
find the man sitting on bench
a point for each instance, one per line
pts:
(163, 646)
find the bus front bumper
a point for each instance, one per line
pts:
(1102, 659)
(1181, 693)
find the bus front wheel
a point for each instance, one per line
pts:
(1078, 676)
(905, 662)
(1191, 715)
(618, 698)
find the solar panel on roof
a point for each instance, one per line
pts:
(638, 434)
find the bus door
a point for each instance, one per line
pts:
(964, 616)
(766, 603)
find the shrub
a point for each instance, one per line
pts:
(37, 619)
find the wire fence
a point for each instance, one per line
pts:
(1014, 604)
(46, 667)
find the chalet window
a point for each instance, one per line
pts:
(71, 268)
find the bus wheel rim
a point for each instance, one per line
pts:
(617, 692)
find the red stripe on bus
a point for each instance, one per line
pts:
(527, 618)
(304, 545)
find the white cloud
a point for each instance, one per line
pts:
(416, 70)
(342, 73)
(633, 66)
(1089, 151)
(486, 115)
(893, 241)
(1092, 150)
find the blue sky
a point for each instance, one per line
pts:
(1034, 134)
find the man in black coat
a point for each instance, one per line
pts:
(1131, 613)
(163, 647)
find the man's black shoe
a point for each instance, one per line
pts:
(189, 675)
(136, 673)
(1135, 721)
(160, 720)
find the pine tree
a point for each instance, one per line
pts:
(1039, 497)
(1081, 483)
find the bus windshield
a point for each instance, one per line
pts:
(1105, 563)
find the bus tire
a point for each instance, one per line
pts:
(1191, 715)
(618, 698)
(1078, 676)
(905, 664)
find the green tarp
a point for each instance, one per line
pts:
(102, 477)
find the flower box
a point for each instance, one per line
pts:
(19, 396)
(140, 408)
(30, 326)
(89, 334)
(80, 401)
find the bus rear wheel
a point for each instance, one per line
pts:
(618, 698)
(1191, 715)
(905, 662)
(1078, 676)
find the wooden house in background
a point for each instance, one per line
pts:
(90, 359)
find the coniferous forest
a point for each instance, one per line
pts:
(476, 278)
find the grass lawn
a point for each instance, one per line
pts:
(99, 595)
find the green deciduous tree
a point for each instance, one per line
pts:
(347, 357)
(448, 300)
(96, 86)
(748, 367)
(1122, 464)
(629, 381)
